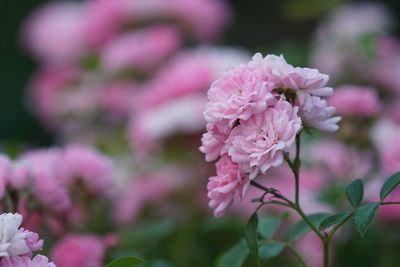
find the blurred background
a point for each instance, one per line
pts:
(129, 79)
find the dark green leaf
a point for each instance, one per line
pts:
(364, 217)
(126, 262)
(333, 219)
(271, 250)
(268, 225)
(234, 257)
(355, 192)
(251, 236)
(302, 227)
(389, 185)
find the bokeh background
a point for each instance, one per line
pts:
(183, 232)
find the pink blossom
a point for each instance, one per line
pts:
(229, 183)
(262, 140)
(141, 50)
(352, 100)
(316, 112)
(15, 241)
(82, 162)
(203, 19)
(339, 160)
(275, 69)
(55, 32)
(37, 261)
(79, 251)
(237, 95)
(213, 141)
(44, 173)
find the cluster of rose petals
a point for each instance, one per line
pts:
(37, 261)
(352, 100)
(15, 241)
(230, 182)
(79, 251)
(254, 113)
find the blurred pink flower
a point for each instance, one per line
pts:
(37, 261)
(55, 32)
(230, 182)
(83, 162)
(118, 98)
(386, 67)
(203, 19)
(43, 170)
(353, 100)
(261, 141)
(15, 241)
(82, 250)
(339, 160)
(141, 50)
(44, 174)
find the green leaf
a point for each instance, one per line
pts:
(127, 262)
(271, 250)
(333, 219)
(355, 192)
(268, 225)
(251, 236)
(235, 256)
(389, 185)
(364, 216)
(302, 227)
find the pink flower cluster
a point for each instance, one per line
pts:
(52, 178)
(17, 244)
(254, 113)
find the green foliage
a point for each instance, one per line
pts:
(235, 256)
(126, 262)
(355, 192)
(364, 216)
(268, 225)
(333, 220)
(390, 185)
(270, 250)
(302, 227)
(251, 236)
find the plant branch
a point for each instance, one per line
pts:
(390, 203)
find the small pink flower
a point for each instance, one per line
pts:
(24, 261)
(262, 140)
(238, 94)
(352, 100)
(316, 112)
(229, 183)
(55, 32)
(79, 251)
(141, 50)
(213, 141)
